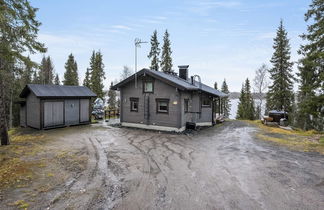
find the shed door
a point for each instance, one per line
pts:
(53, 113)
(72, 114)
(84, 110)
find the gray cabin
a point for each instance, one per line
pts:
(164, 101)
(51, 106)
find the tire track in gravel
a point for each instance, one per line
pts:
(78, 183)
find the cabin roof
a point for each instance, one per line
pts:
(174, 81)
(56, 91)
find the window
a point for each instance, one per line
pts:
(206, 102)
(148, 87)
(134, 104)
(186, 105)
(162, 105)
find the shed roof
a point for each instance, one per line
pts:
(56, 91)
(174, 81)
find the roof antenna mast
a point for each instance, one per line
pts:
(138, 43)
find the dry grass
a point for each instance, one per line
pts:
(276, 129)
(307, 141)
(17, 159)
(72, 161)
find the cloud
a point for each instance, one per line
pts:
(267, 35)
(153, 19)
(123, 27)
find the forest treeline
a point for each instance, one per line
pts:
(306, 106)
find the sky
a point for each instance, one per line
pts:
(226, 39)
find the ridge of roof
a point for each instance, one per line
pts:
(175, 80)
(56, 91)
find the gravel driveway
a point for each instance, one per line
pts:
(223, 167)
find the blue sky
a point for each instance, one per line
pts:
(218, 39)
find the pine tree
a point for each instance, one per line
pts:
(311, 71)
(226, 100)
(57, 80)
(71, 74)
(280, 94)
(166, 60)
(86, 81)
(19, 29)
(155, 52)
(112, 98)
(215, 85)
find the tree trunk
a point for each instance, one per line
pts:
(10, 109)
(3, 119)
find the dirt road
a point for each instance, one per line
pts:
(223, 167)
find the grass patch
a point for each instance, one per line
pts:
(308, 141)
(17, 160)
(277, 129)
(21, 204)
(300, 144)
(72, 161)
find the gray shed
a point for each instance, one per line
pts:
(51, 106)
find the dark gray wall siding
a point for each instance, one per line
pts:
(72, 111)
(22, 114)
(84, 110)
(161, 90)
(33, 111)
(206, 112)
(53, 113)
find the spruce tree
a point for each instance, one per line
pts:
(57, 80)
(27, 75)
(311, 70)
(166, 60)
(226, 100)
(86, 81)
(246, 109)
(249, 101)
(240, 108)
(97, 74)
(71, 74)
(215, 86)
(280, 94)
(154, 52)
(49, 71)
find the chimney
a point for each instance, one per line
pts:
(183, 72)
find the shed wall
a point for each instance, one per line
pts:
(53, 113)
(22, 115)
(33, 111)
(84, 110)
(72, 111)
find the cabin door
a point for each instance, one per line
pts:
(147, 109)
